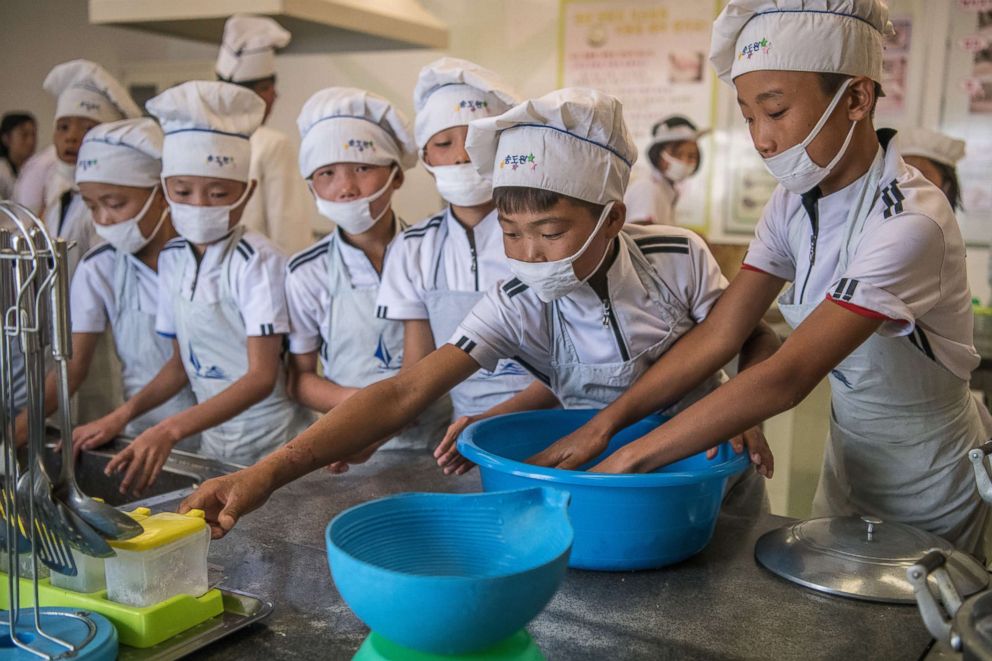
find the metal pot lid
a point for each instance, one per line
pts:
(861, 557)
(973, 625)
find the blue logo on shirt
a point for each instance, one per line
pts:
(383, 355)
(837, 374)
(212, 372)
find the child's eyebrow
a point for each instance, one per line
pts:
(770, 94)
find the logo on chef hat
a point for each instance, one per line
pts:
(472, 105)
(514, 161)
(752, 49)
(360, 145)
(89, 106)
(220, 160)
(86, 164)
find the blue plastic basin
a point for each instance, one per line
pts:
(451, 573)
(621, 522)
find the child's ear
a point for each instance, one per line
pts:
(615, 219)
(398, 179)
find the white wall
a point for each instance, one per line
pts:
(517, 38)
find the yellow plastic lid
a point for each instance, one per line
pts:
(161, 529)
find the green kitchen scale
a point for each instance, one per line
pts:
(518, 647)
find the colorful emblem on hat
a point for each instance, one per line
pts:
(514, 161)
(220, 160)
(752, 49)
(89, 105)
(360, 145)
(472, 105)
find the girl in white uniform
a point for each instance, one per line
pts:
(116, 283)
(355, 147)
(879, 298)
(673, 156)
(442, 267)
(588, 309)
(221, 293)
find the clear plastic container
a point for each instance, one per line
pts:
(168, 559)
(26, 566)
(90, 576)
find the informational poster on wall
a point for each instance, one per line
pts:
(652, 55)
(967, 112)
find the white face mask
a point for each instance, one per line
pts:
(677, 170)
(126, 235)
(354, 217)
(203, 225)
(553, 280)
(461, 185)
(794, 169)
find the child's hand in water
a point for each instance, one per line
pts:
(446, 453)
(757, 446)
(578, 448)
(142, 460)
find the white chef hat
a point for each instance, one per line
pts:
(825, 36)
(248, 49)
(349, 125)
(675, 128)
(125, 153)
(572, 141)
(85, 89)
(930, 144)
(207, 125)
(453, 92)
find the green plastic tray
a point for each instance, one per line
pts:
(136, 627)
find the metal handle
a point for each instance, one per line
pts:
(982, 477)
(937, 614)
(871, 522)
(62, 332)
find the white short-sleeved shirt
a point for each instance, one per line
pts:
(651, 199)
(511, 321)
(906, 267)
(414, 259)
(307, 293)
(254, 268)
(92, 300)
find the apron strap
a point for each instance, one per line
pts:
(440, 279)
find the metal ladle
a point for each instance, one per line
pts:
(54, 522)
(108, 521)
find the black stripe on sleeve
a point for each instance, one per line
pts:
(840, 288)
(513, 287)
(465, 344)
(247, 246)
(246, 255)
(662, 240)
(650, 250)
(850, 290)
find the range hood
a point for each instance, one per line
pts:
(318, 26)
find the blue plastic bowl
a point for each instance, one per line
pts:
(451, 573)
(621, 522)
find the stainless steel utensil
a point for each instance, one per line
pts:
(108, 521)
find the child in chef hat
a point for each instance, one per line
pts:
(221, 293)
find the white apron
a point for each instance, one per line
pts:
(359, 349)
(901, 425)
(214, 347)
(446, 310)
(142, 351)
